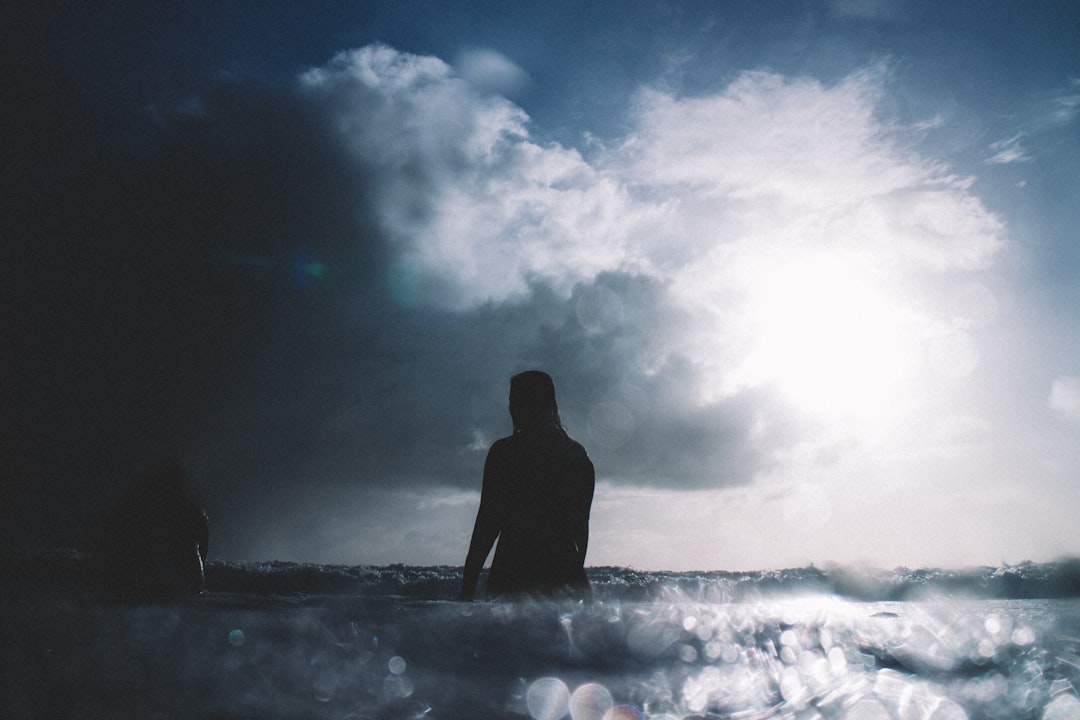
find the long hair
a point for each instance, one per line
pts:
(532, 401)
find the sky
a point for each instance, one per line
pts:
(805, 273)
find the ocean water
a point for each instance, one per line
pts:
(280, 640)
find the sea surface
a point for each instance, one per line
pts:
(286, 640)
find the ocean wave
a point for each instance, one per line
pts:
(1058, 579)
(295, 640)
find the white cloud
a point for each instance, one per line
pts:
(1067, 105)
(789, 200)
(1065, 397)
(1008, 151)
(763, 167)
(472, 204)
(765, 136)
(1057, 110)
(769, 203)
(790, 164)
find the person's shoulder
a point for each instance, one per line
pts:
(501, 446)
(574, 448)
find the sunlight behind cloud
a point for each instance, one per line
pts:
(805, 247)
(806, 238)
(832, 336)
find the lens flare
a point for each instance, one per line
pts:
(625, 712)
(610, 424)
(305, 268)
(548, 699)
(403, 281)
(591, 701)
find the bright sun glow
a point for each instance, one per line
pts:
(833, 336)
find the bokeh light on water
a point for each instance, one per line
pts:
(626, 712)
(672, 656)
(591, 701)
(1063, 707)
(818, 658)
(548, 699)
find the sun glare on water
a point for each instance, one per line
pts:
(834, 336)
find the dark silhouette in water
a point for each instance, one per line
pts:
(536, 497)
(153, 544)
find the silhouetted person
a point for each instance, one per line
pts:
(153, 545)
(536, 497)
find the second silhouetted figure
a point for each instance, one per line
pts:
(153, 545)
(537, 493)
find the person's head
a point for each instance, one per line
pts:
(532, 401)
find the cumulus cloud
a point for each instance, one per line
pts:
(474, 206)
(797, 162)
(478, 207)
(656, 263)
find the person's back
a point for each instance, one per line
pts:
(537, 494)
(543, 485)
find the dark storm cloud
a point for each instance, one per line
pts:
(228, 297)
(149, 291)
(637, 405)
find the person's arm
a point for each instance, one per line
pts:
(204, 535)
(485, 531)
(580, 530)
